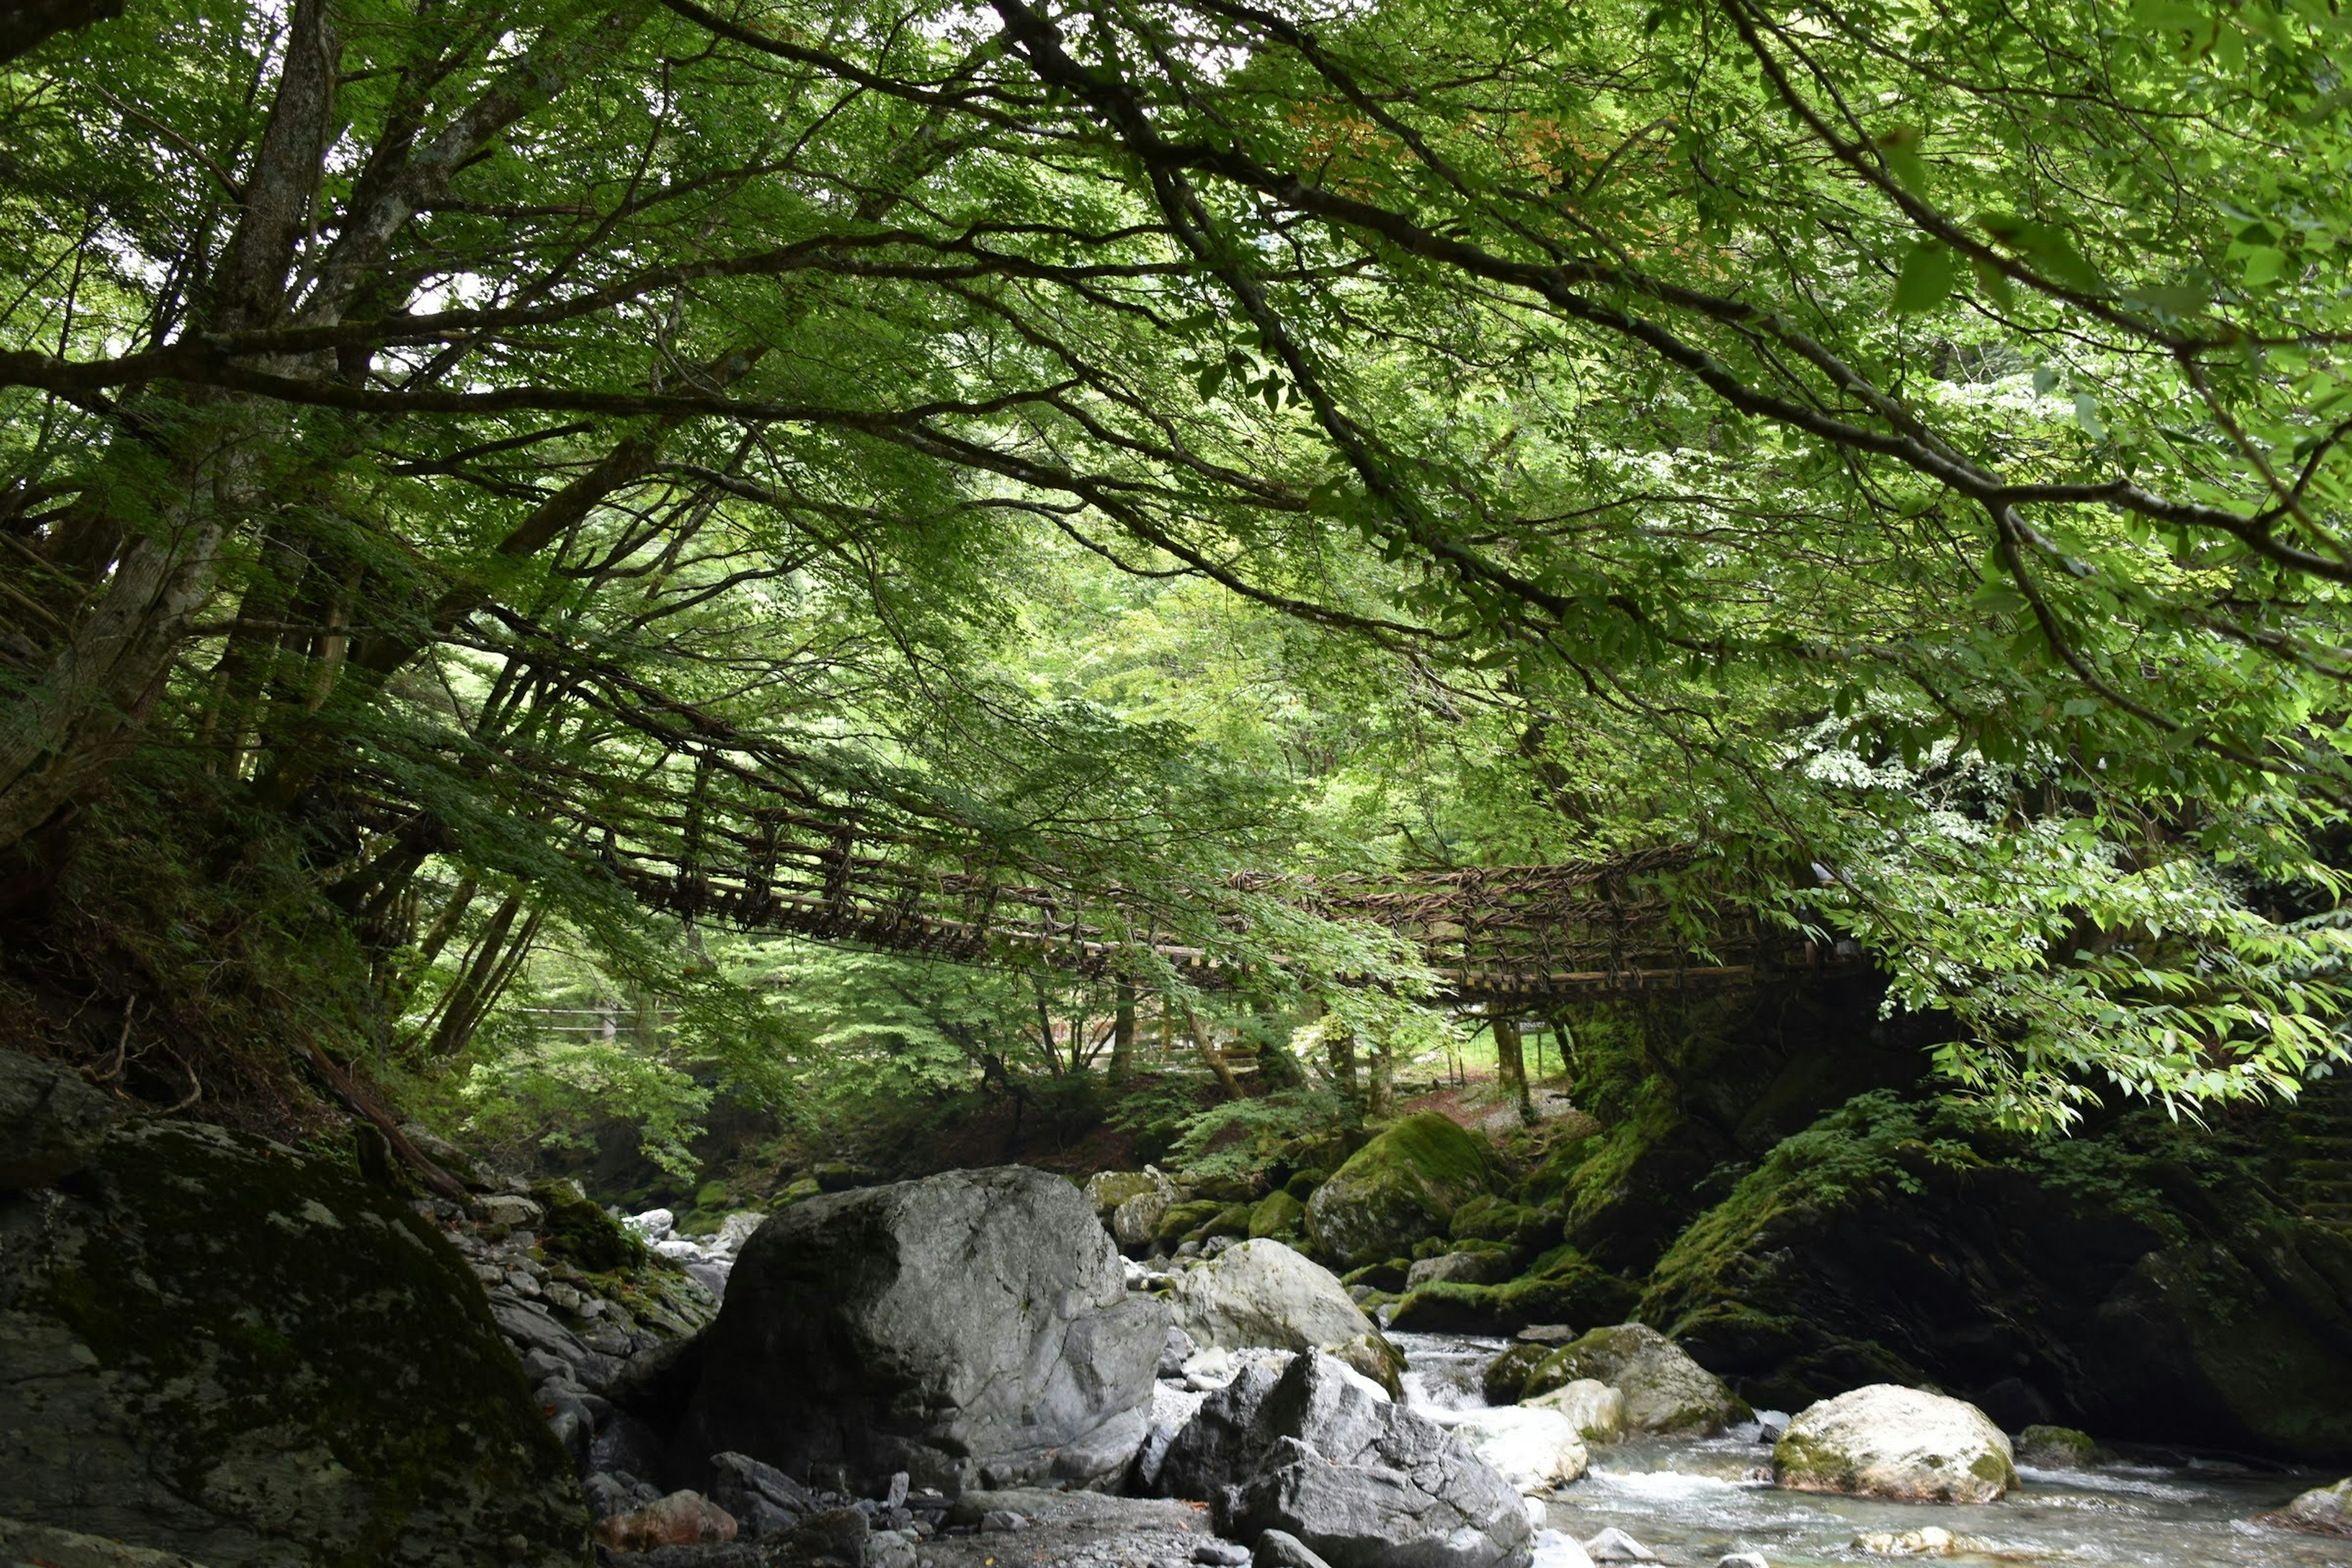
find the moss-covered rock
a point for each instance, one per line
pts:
(1901, 1443)
(2322, 1510)
(1665, 1391)
(1108, 1189)
(1233, 1220)
(1563, 1285)
(1302, 1183)
(1504, 1381)
(1491, 1218)
(1466, 1263)
(1388, 1274)
(2048, 1447)
(574, 1229)
(2139, 1282)
(1399, 1189)
(1277, 1216)
(1181, 1220)
(222, 1348)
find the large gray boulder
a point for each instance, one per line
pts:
(219, 1349)
(970, 1328)
(1263, 1295)
(1888, 1441)
(51, 1120)
(1313, 1448)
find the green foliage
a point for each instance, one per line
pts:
(563, 466)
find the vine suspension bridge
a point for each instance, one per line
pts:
(1499, 934)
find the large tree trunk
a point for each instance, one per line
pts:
(1122, 1035)
(76, 717)
(1214, 1059)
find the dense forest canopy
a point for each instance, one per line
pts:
(467, 467)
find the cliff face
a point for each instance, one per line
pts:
(223, 1348)
(2140, 1282)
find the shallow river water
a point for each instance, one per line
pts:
(1692, 1502)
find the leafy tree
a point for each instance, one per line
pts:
(574, 456)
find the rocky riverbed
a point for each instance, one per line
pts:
(222, 1350)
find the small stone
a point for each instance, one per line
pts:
(1545, 1334)
(896, 1497)
(1613, 1545)
(1742, 1559)
(1221, 1555)
(998, 1520)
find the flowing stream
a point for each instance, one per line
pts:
(1692, 1502)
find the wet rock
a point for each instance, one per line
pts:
(1665, 1391)
(1532, 1449)
(970, 1328)
(1221, 1555)
(2057, 1448)
(1594, 1411)
(1613, 1545)
(1554, 1550)
(1928, 1541)
(1504, 1380)
(1319, 1451)
(1742, 1559)
(1893, 1442)
(222, 1348)
(2323, 1511)
(1401, 1188)
(51, 1120)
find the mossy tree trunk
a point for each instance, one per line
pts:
(1511, 1064)
(1122, 1035)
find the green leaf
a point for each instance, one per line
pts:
(1929, 273)
(2086, 414)
(1900, 148)
(1995, 283)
